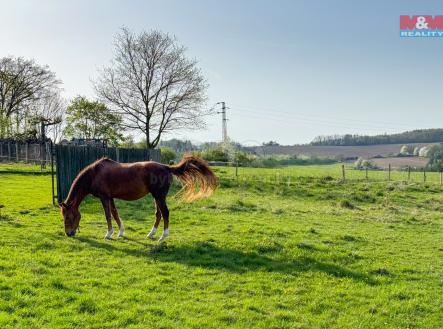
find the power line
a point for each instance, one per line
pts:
(292, 121)
(317, 119)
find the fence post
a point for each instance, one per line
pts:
(9, 151)
(27, 152)
(52, 172)
(409, 173)
(366, 173)
(117, 153)
(343, 172)
(236, 169)
(424, 175)
(17, 148)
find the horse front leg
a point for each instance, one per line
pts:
(106, 202)
(119, 222)
(158, 217)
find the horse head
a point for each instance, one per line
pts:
(71, 217)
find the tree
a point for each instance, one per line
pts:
(358, 164)
(49, 110)
(153, 85)
(215, 154)
(404, 150)
(22, 82)
(423, 151)
(271, 143)
(92, 119)
(167, 155)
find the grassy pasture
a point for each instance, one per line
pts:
(314, 253)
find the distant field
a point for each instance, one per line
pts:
(401, 162)
(292, 174)
(365, 151)
(260, 253)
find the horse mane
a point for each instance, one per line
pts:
(84, 178)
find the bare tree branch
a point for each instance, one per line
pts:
(22, 83)
(152, 84)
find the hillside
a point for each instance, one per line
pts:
(365, 151)
(407, 137)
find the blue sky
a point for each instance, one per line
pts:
(287, 70)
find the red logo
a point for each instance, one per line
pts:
(421, 22)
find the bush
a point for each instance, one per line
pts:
(244, 158)
(214, 154)
(423, 151)
(167, 155)
(404, 150)
(364, 164)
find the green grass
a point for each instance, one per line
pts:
(23, 168)
(314, 253)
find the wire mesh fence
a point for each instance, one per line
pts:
(25, 152)
(337, 172)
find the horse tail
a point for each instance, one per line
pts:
(197, 178)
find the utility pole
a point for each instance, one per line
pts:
(224, 123)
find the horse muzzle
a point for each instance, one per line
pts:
(71, 234)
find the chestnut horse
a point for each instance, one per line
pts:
(108, 179)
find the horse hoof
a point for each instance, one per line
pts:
(121, 235)
(162, 239)
(152, 237)
(108, 235)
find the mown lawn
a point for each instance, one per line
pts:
(314, 253)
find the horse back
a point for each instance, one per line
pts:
(130, 181)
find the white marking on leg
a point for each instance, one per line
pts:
(164, 235)
(109, 234)
(121, 232)
(151, 234)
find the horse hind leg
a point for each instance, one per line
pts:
(165, 214)
(119, 222)
(107, 208)
(158, 217)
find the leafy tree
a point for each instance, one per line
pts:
(244, 158)
(271, 143)
(358, 163)
(423, 152)
(415, 136)
(406, 150)
(92, 119)
(215, 154)
(167, 155)
(435, 155)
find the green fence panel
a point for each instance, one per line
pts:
(70, 160)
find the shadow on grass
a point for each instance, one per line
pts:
(26, 173)
(209, 256)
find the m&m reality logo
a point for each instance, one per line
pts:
(424, 26)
